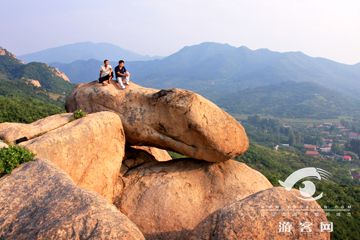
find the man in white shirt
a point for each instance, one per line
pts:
(106, 72)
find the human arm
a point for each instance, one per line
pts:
(121, 74)
(101, 70)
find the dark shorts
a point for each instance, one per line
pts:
(105, 78)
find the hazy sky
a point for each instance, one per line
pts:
(327, 28)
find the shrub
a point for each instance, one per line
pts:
(12, 157)
(79, 114)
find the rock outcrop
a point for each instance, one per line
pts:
(89, 149)
(39, 201)
(3, 145)
(137, 155)
(159, 155)
(33, 82)
(177, 195)
(173, 119)
(260, 216)
(59, 74)
(17, 132)
(166, 198)
(5, 52)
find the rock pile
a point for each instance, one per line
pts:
(107, 175)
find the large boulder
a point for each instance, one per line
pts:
(174, 196)
(136, 156)
(39, 201)
(89, 149)
(17, 132)
(174, 119)
(264, 215)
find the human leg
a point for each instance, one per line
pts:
(127, 79)
(120, 81)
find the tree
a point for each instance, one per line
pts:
(355, 146)
(292, 138)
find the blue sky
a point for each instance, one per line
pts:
(326, 28)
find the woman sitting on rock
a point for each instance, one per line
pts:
(106, 73)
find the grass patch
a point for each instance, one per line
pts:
(79, 114)
(175, 155)
(12, 157)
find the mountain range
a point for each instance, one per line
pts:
(244, 81)
(215, 69)
(83, 51)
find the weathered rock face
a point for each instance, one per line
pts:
(137, 155)
(60, 74)
(39, 201)
(10, 132)
(256, 217)
(4, 52)
(177, 195)
(174, 119)
(34, 82)
(89, 149)
(160, 155)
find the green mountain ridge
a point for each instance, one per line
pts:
(20, 100)
(291, 100)
(12, 68)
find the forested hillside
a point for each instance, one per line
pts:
(339, 191)
(291, 100)
(30, 91)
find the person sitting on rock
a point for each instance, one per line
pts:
(122, 75)
(106, 73)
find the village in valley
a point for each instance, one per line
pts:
(332, 141)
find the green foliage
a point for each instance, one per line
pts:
(12, 68)
(175, 155)
(79, 114)
(355, 146)
(22, 102)
(336, 195)
(341, 190)
(291, 100)
(45, 75)
(12, 157)
(25, 109)
(269, 131)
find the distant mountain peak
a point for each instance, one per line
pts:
(84, 51)
(210, 45)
